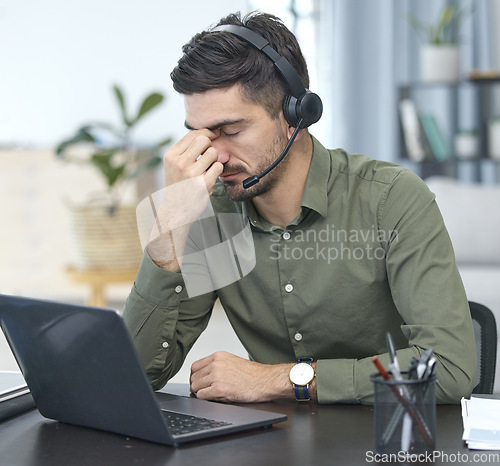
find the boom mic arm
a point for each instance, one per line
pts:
(256, 178)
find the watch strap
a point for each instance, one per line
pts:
(302, 391)
(307, 360)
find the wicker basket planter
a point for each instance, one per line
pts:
(104, 238)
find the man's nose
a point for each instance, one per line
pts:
(222, 150)
(223, 157)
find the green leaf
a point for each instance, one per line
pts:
(121, 102)
(150, 102)
(446, 16)
(82, 135)
(153, 162)
(115, 174)
(103, 162)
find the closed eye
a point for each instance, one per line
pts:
(229, 134)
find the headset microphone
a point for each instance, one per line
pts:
(256, 178)
(301, 107)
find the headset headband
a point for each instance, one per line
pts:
(281, 63)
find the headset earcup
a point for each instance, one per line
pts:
(290, 110)
(308, 107)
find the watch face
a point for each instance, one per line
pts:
(301, 374)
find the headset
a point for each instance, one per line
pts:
(301, 107)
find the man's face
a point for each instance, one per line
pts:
(248, 139)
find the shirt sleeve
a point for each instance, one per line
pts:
(162, 321)
(428, 293)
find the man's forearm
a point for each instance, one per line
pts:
(166, 248)
(225, 377)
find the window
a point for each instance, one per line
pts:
(298, 16)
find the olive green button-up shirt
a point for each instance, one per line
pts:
(368, 254)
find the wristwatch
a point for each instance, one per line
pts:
(301, 375)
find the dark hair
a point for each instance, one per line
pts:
(218, 60)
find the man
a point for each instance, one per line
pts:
(347, 248)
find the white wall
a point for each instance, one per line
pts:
(59, 59)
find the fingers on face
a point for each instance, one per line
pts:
(194, 154)
(194, 143)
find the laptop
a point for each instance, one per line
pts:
(82, 368)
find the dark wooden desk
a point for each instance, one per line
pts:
(313, 435)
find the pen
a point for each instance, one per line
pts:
(392, 352)
(424, 370)
(390, 346)
(400, 412)
(385, 375)
(431, 366)
(421, 427)
(392, 425)
(421, 372)
(412, 369)
(396, 372)
(424, 362)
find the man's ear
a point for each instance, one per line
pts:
(291, 129)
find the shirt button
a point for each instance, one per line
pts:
(165, 344)
(298, 336)
(286, 235)
(178, 288)
(288, 287)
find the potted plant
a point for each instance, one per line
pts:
(104, 229)
(440, 55)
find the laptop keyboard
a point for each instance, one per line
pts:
(184, 423)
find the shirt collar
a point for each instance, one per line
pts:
(316, 190)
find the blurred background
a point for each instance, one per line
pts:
(60, 61)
